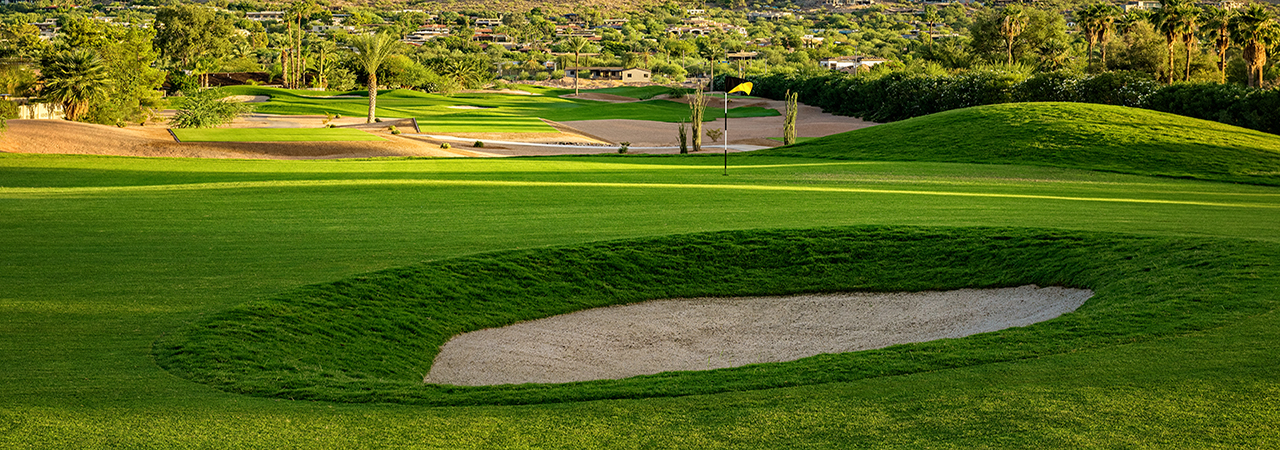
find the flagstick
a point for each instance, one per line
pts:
(726, 129)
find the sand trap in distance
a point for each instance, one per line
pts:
(709, 333)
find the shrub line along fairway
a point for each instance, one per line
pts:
(273, 135)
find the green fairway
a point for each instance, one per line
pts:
(180, 303)
(485, 113)
(272, 135)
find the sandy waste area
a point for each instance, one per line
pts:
(709, 333)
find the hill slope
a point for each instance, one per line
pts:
(1070, 135)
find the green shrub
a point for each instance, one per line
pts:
(207, 109)
(478, 144)
(446, 146)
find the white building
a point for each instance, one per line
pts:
(844, 62)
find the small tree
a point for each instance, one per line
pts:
(371, 51)
(789, 125)
(684, 138)
(208, 109)
(697, 107)
(76, 80)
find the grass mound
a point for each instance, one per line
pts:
(1070, 135)
(372, 338)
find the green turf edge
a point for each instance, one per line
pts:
(371, 338)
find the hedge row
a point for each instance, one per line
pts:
(901, 95)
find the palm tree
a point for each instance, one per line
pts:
(371, 51)
(576, 45)
(75, 79)
(1012, 23)
(1087, 19)
(1258, 30)
(1178, 22)
(1188, 25)
(1218, 21)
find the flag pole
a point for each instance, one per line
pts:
(726, 128)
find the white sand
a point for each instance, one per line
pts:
(708, 333)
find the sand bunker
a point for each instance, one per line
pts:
(709, 333)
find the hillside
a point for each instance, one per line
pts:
(1069, 135)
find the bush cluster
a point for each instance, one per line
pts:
(892, 96)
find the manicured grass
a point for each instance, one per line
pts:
(1073, 135)
(109, 262)
(501, 113)
(273, 135)
(370, 338)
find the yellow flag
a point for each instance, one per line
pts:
(743, 88)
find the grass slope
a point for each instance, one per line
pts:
(370, 338)
(273, 135)
(1072, 135)
(500, 113)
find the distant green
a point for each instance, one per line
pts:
(273, 135)
(496, 113)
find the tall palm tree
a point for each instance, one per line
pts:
(1086, 18)
(576, 45)
(1257, 30)
(1188, 26)
(1218, 22)
(1012, 23)
(371, 51)
(76, 79)
(1167, 23)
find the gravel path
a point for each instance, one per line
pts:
(709, 333)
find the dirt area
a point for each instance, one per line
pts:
(63, 137)
(810, 122)
(247, 98)
(709, 333)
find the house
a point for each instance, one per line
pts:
(616, 24)
(488, 23)
(321, 29)
(1145, 5)
(844, 62)
(263, 16)
(48, 29)
(634, 75)
(741, 56)
(767, 15)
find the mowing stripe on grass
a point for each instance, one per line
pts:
(54, 191)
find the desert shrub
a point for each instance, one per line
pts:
(478, 144)
(207, 109)
(1123, 88)
(1056, 86)
(1233, 104)
(446, 146)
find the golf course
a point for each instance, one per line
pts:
(275, 303)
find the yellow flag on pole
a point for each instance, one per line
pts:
(743, 88)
